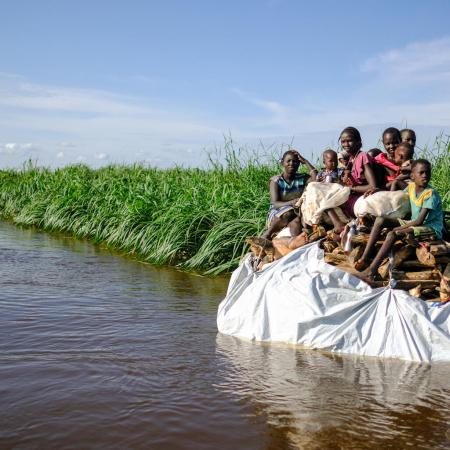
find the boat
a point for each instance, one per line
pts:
(302, 300)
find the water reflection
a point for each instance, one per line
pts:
(327, 401)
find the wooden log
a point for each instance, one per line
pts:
(416, 291)
(359, 239)
(411, 265)
(442, 248)
(442, 259)
(329, 246)
(418, 276)
(409, 284)
(444, 287)
(334, 258)
(355, 254)
(425, 257)
(438, 299)
(402, 254)
(338, 251)
(383, 270)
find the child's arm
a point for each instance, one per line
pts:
(414, 223)
(312, 169)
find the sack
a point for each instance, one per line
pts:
(392, 205)
(319, 197)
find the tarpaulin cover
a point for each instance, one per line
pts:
(300, 299)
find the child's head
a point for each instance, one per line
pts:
(421, 172)
(373, 152)
(290, 161)
(391, 138)
(350, 140)
(404, 152)
(343, 158)
(330, 159)
(408, 136)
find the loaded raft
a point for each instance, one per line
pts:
(421, 268)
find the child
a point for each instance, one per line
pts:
(285, 190)
(330, 173)
(408, 136)
(391, 138)
(427, 219)
(343, 158)
(361, 175)
(402, 159)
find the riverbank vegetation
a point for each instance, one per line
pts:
(196, 219)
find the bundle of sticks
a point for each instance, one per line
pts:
(423, 269)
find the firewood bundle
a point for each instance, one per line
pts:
(422, 268)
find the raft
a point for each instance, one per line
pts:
(302, 300)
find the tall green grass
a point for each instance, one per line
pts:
(194, 218)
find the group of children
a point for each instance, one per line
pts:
(364, 173)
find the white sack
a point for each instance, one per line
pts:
(299, 299)
(321, 196)
(394, 205)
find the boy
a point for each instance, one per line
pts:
(427, 218)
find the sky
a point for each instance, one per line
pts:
(165, 82)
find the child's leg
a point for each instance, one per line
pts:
(337, 223)
(295, 226)
(380, 223)
(391, 237)
(278, 223)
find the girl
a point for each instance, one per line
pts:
(361, 178)
(285, 191)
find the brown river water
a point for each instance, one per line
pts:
(98, 351)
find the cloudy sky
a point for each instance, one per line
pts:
(160, 81)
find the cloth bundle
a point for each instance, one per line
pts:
(319, 197)
(392, 205)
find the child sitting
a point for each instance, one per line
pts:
(409, 136)
(330, 173)
(402, 159)
(343, 158)
(285, 190)
(391, 139)
(427, 219)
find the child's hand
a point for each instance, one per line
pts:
(370, 192)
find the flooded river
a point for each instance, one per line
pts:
(98, 351)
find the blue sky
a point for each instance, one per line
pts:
(160, 82)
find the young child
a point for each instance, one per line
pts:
(343, 158)
(427, 219)
(330, 172)
(391, 138)
(402, 158)
(285, 190)
(408, 136)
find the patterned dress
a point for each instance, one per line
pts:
(288, 191)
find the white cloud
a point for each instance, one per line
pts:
(101, 156)
(15, 147)
(419, 61)
(81, 158)
(60, 155)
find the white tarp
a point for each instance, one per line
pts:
(300, 299)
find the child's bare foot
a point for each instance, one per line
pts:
(298, 241)
(361, 264)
